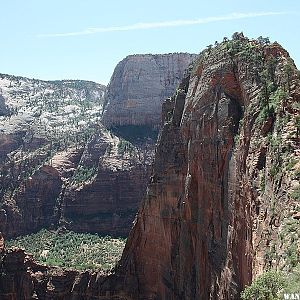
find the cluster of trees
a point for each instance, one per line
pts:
(83, 174)
(80, 251)
(125, 146)
(273, 285)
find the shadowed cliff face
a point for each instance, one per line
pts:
(132, 111)
(36, 199)
(108, 201)
(3, 108)
(222, 189)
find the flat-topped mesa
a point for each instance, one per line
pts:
(139, 85)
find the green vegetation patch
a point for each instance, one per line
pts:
(265, 287)
(272, 285)
(296, 193)
(125, 146)
(83, 174)
(80, 251)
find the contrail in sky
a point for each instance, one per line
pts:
(164, 24)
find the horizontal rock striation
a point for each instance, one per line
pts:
(32, 206)
(108, 200)
(55, 124)
(45, 117)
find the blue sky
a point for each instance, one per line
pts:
(72, 39)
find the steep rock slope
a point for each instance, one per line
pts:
(60, 166)
(110, 201)
(49, 109)
(138, 86)
(223, 191)
(104, 192)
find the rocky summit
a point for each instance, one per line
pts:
(224, 188)
(222, 203)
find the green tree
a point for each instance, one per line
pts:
(266, 287)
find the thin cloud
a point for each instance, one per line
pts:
(165, 24)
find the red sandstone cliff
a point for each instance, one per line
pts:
(221, 191)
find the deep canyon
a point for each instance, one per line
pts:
(217, 194)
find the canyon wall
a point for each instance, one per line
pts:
(106, 202)
(45, 118)
(61, 167)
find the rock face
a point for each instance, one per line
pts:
(95, 188)
(45, 117)
(48, 109)
(133, 102)
(224, 189)
(106, 202)
(22, 278)
(138, 86)
(221, 191)
(33, 206)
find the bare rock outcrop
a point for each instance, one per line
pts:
(139, 85)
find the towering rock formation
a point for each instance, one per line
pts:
(223, 200)
(139, 85)
(132, 111)
(107, 200)
(222, 191)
